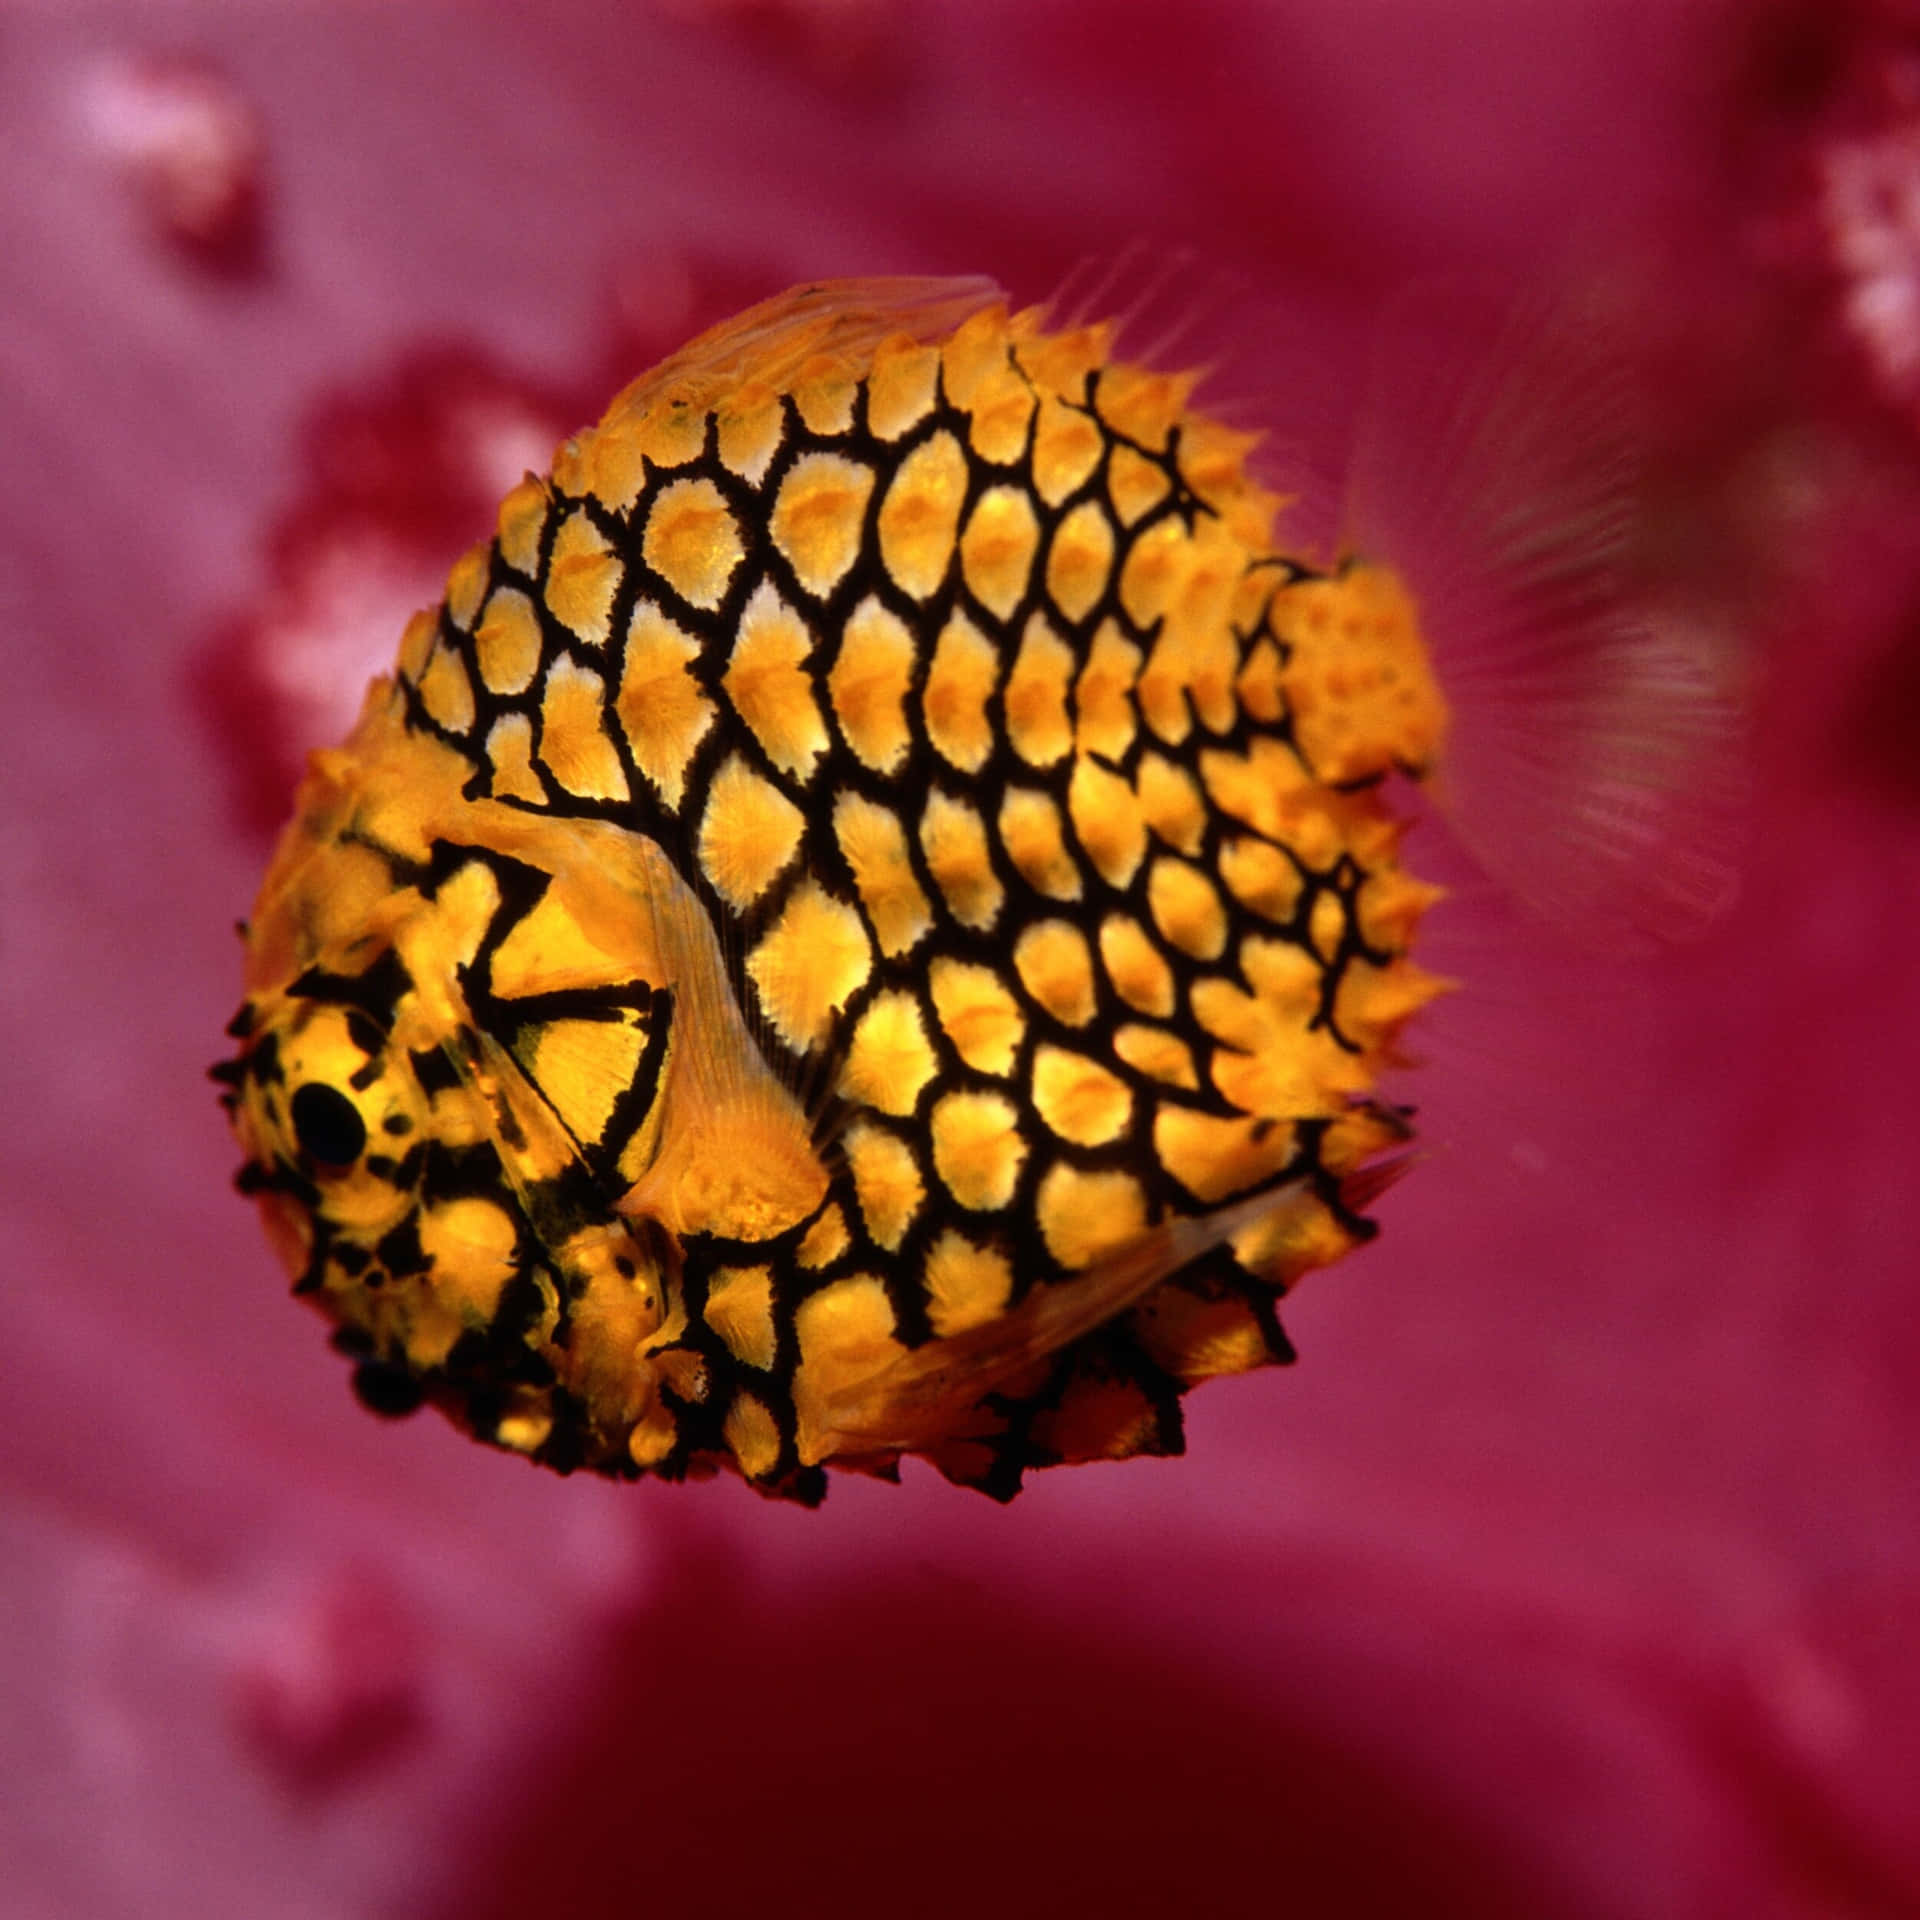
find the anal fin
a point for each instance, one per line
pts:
(925, 1396)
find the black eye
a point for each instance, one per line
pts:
(328, 1124)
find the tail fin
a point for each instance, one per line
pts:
(1595, 747)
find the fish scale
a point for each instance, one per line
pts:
(877, 916)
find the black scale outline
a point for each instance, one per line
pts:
(840, 769)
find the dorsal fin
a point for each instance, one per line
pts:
(770, 343)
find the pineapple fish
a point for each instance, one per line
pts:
(864, 924)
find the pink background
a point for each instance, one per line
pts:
(1574, 1569)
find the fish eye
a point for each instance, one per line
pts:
(327, 1124)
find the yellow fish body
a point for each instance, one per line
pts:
(865, 923)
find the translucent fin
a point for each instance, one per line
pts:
(1168, 309)
(1595, 747)
(1155, 302)
(1164, 308)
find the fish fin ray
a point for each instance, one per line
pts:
(1595, 765)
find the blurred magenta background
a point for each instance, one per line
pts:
(1574, 1570)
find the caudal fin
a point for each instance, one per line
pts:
(1595, 760)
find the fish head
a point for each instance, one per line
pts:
(416, 1176)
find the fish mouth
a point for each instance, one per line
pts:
(230, 1075)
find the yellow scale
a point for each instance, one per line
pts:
(866, 922)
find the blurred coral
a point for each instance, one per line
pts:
(191, 149)
(1574, 1568)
